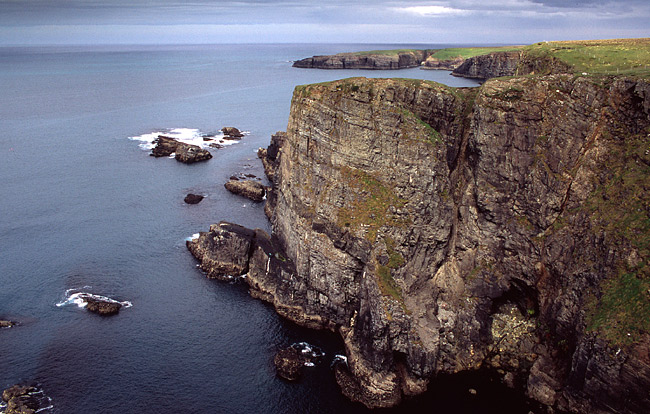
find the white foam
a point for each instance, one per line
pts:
(192, 237)
(81, 299)
(188, 135)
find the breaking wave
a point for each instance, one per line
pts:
(187, 135)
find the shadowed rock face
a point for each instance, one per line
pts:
(497, 64)
(441, 230)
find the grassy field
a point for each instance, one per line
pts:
(614, 56)
(468, 52)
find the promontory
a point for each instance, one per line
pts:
(439, 230)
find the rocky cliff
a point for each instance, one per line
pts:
(366, 60)
(497, 64)
(441, 230)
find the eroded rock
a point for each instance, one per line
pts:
(231, 132)
(289, 364)
(185, 153)
(251, 189)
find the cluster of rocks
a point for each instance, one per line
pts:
(23, 399)
(185, 153)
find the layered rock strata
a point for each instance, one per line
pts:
(445, 64)
(497, 64)
(366, 60)
(441, 230)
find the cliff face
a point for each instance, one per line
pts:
(401, 60)
(497, 64)
(442, 230)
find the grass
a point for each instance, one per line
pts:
(615, 56)
(432, 135)
(390, 52)
(369, 209)
(620, 210)
(468, 52)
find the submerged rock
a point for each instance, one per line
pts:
(6, 324)
(247, 188)
(289, 364)
(102, 307)
(185, 153)
(193, 198)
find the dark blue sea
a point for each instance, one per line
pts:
(84, 208)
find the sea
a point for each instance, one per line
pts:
(85, 210)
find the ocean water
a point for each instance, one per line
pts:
(85, 209)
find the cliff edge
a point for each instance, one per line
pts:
(441, 230)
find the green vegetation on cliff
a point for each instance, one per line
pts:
(468, 52)
(620, 210)
(614, 56)
(370, 209)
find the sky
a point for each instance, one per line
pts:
(29, 22)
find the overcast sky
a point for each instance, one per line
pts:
(361, 21)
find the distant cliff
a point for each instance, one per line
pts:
(441, 230)
(380, 60)
(497, 64)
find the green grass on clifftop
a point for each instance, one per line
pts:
(614, 56)
(468, 52)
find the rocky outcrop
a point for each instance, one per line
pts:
(231, 133)
(102, 307)
(446, 64)
(6, 324)
(193, 198)
(185, 153)
(22, 399)
(253, 190)
(497, 64)
(366, 60)
(441, 230)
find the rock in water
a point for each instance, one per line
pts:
(193, 198)
(19, 400)
(186, 153)
(247, 188)
(102, 307)
(6, 324)
(289, 364)
(231, 132)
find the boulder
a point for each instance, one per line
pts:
(247, 188)
(193, 198)
(102, 307)
(289, 364)
(231, 132)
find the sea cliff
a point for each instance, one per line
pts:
(379, 60)
(441, 230)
